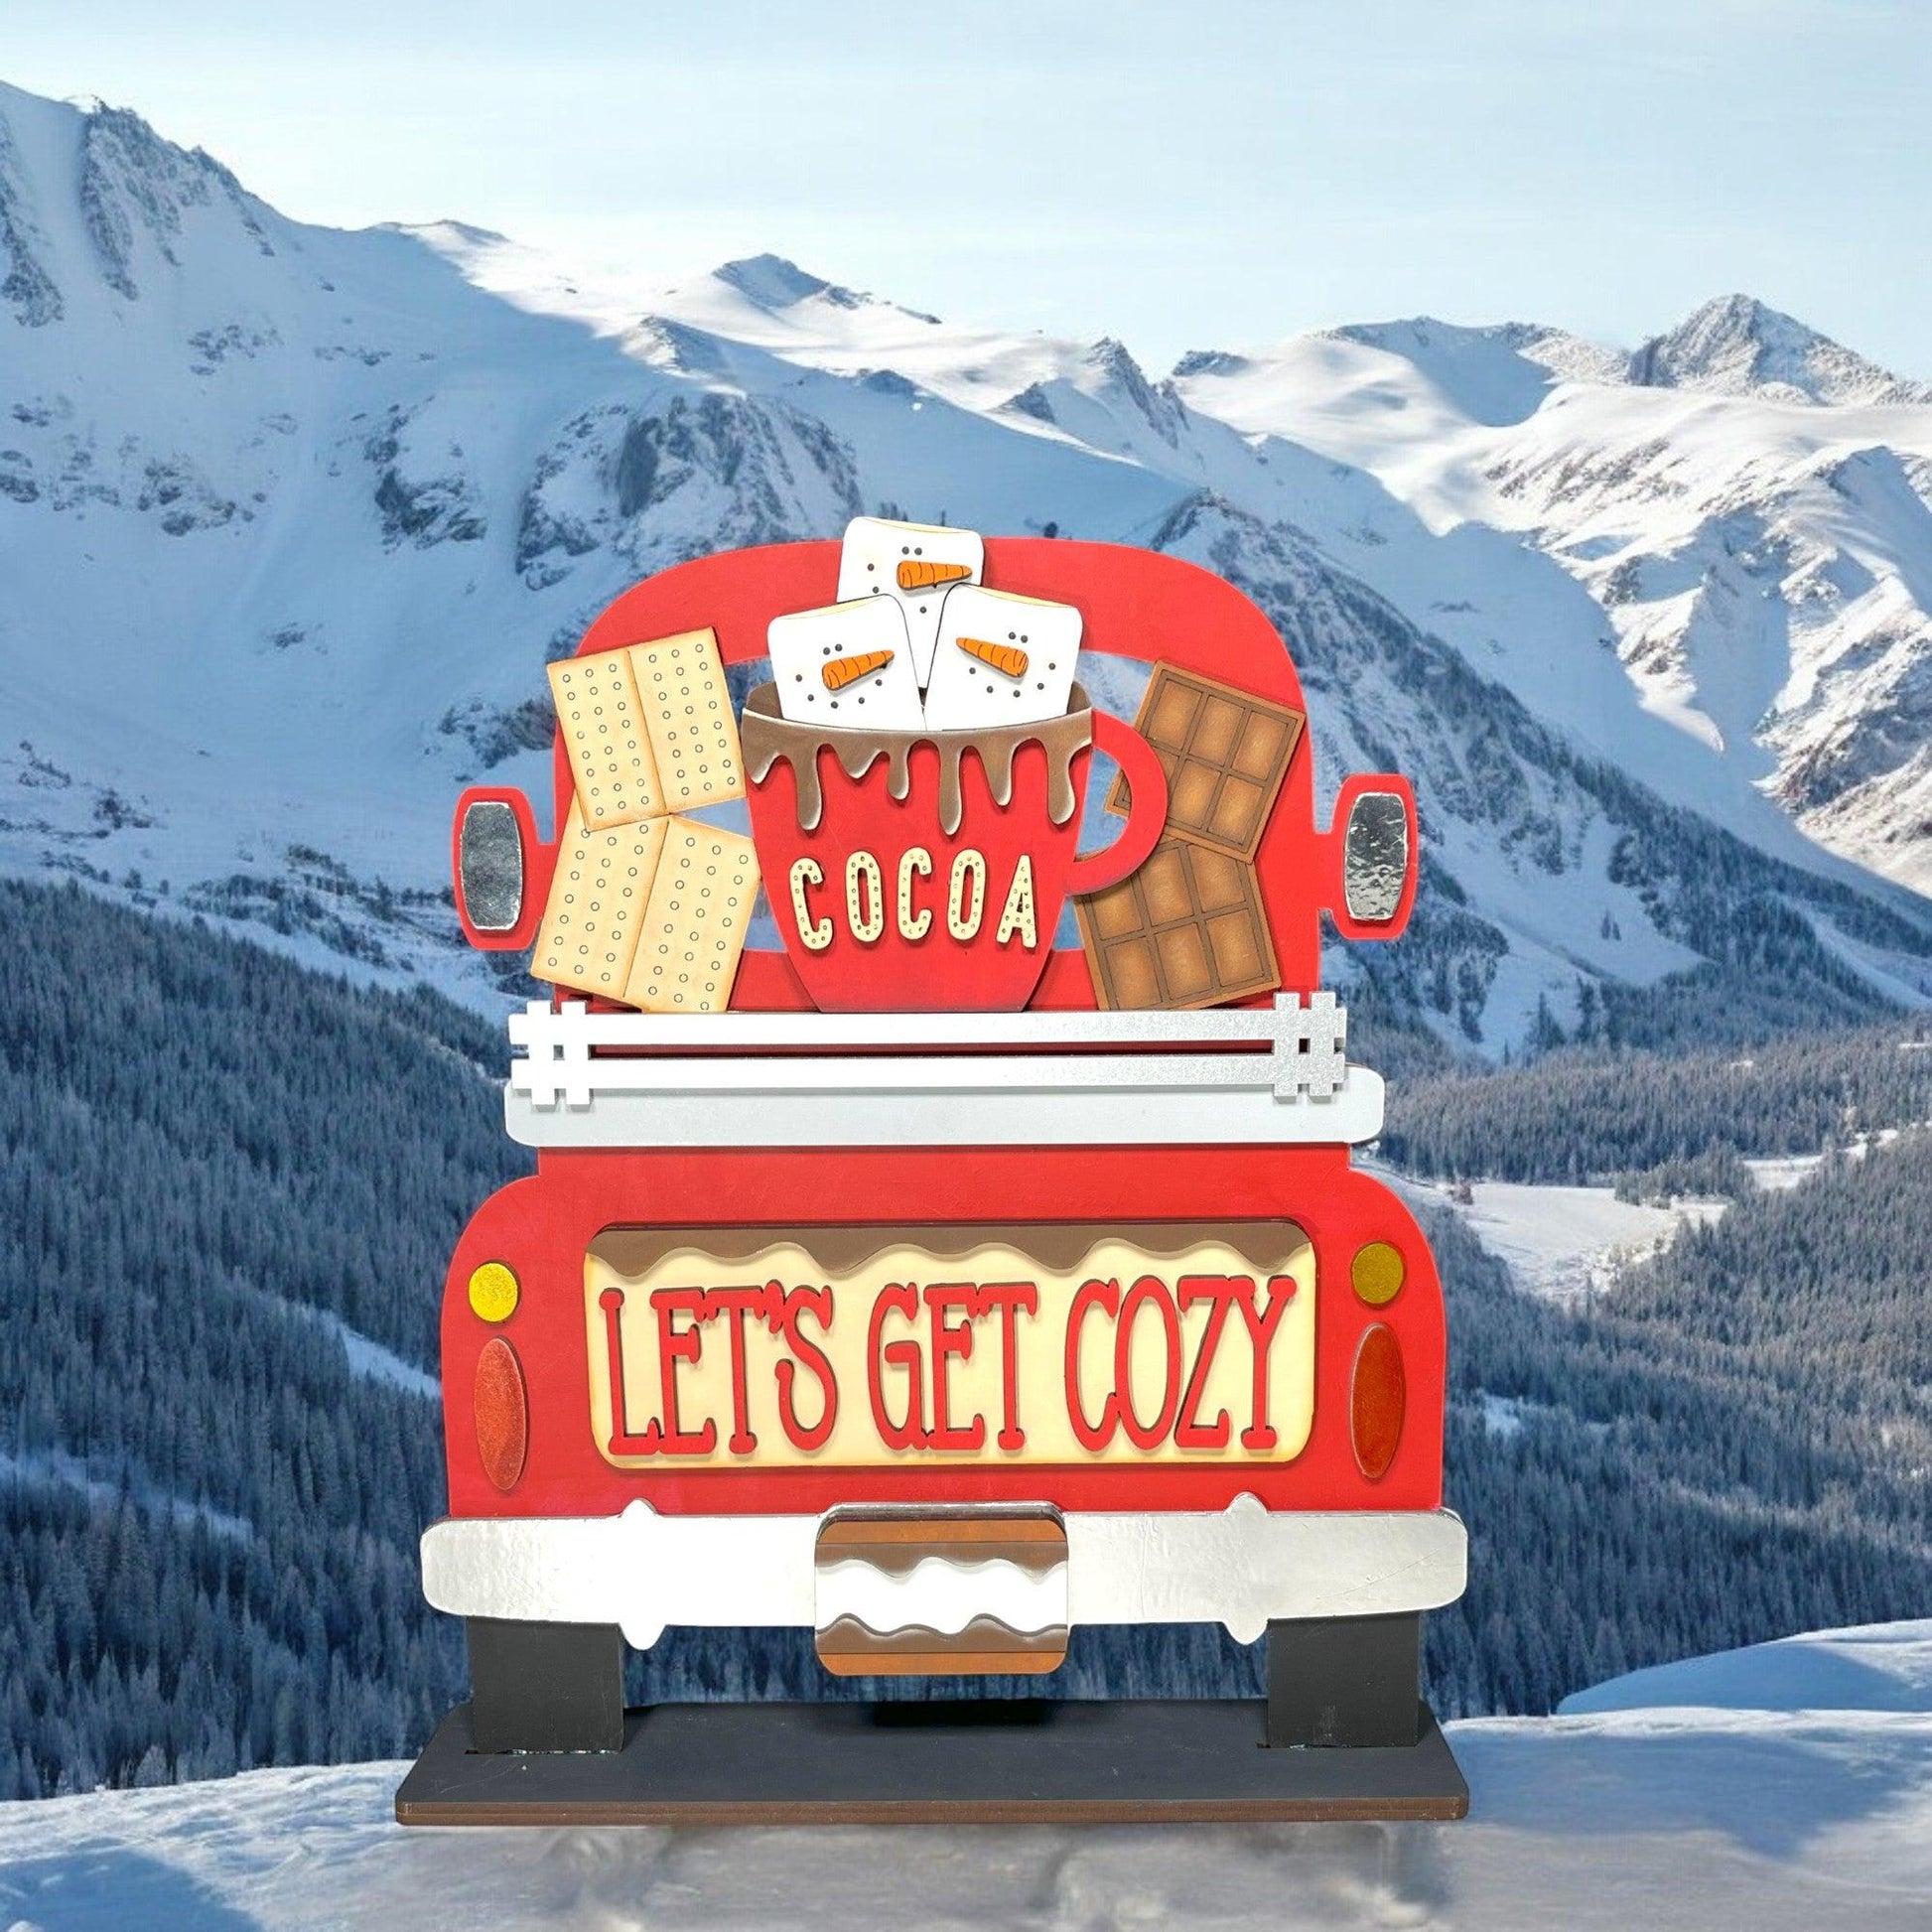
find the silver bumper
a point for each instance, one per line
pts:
(643, 1572)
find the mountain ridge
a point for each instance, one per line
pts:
(1736, 344)
(326, 501)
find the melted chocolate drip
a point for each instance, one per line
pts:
(768, 737)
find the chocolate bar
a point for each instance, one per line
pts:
(1189, 930)
(1226, 753)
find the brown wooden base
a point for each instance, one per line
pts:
(983, 1763)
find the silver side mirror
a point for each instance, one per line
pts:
(489, 866)
(1375, 857)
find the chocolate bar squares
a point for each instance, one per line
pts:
(1226, 753)
(1186, 930)
(1189, 928)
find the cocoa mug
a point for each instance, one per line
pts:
(925, 872)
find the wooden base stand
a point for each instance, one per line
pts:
(981, 1763)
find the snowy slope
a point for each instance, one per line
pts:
(1881, 1667)
(1559, 1242)
(289, 519)
(1747, 1795)
(1709, 559)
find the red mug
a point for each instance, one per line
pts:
(925, 872)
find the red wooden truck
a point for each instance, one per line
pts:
(941, 1333)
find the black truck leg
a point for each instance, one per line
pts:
(545, 1687)
(1346, 1681)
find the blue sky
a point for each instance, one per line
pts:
(1220, 172)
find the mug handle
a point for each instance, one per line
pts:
(1147, 784)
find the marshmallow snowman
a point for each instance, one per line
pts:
(1001, 660)
(916, 564)
(847, 666)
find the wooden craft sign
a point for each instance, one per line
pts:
(858, 1347)
(945, 1234)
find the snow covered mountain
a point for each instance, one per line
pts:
(1787, 1788)
(1736, 346)
(1725, 536)
(289, 519)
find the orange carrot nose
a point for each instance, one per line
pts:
(1009, 659)
(916, 576)
(838, 672)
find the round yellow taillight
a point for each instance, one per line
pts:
(493, 1292)
(1377, 1273)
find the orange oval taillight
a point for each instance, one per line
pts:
(1376, 1399)
(502, 1412)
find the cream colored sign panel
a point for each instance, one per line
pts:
(746, 1349)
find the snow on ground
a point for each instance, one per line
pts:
(1879, 1667)
(1749, 1798)
(1504, 1414)
(1563, 1242)
(1560, 1242)
(105, 1487)
(374, 1363)
(1778, 1173)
